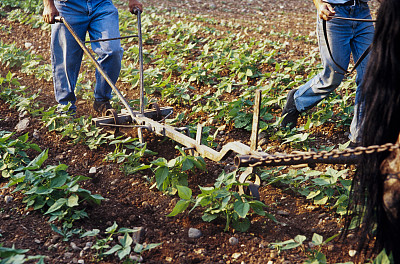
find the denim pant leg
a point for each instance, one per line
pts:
(363, 36)
(104, 24)
(321, 85)
(66, 54)
(344, 37)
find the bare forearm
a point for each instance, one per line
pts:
(49, 11)
(325, 10)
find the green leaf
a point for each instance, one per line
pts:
(241, 225)
(184, 192)
(180, 206)
(124, 252)
(321, 201)
(313, 194)
(112, 229)
(317, 239)
(57, 205)
(249, 72)
(187, 164)
(242, 208)
(73, 200)
(126, 241)
(93, 232)
(37, 162)
(113, 250)
(209, 217)
(151, 246)
(161, 174)
(383, 258)
(58, 181)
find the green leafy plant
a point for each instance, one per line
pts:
(314, 254)
(221, 201)
(13, 152)
(17, 256)
(128, 152)
(52, 189)
(330, 188)
(169, 174)
(125, 244)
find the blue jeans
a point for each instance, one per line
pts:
(100, 19)
(345, 37)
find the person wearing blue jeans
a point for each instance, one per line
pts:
(345, 37)
(99, 18)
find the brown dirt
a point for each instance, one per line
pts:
(131, 203)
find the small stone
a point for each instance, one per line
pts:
(81, 261)
(136, 258)
(194, 233)
(168, 259)
(23, 114)
(352, 252)
(89, 244)
(282, 212)
(28, 45)
(236, 255)
(114, 182)
(92, 171)
(146, 205)
(22, 125)
(200, 251)
(8, 199)
(270, 262)
(233, 241)
(37, 241)
(75, 247)
(36, 134)
(138, 234)
(54, 239)
(68, 255)
(272, 255)
(331, 247)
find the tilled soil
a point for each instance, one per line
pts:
(129, 200)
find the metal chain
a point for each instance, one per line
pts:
(312, 155)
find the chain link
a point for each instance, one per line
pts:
(281, 158)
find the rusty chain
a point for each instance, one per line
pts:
(312, 155)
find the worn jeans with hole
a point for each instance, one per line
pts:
(99, 18)
(345, 38)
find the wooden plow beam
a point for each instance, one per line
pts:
(145, 121)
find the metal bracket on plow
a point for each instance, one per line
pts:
(252, 188)
(126, 118)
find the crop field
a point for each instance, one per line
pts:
(71, 192)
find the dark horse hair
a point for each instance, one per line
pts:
(381, 124)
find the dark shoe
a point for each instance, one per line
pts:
(101, 106)
(290, 113)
